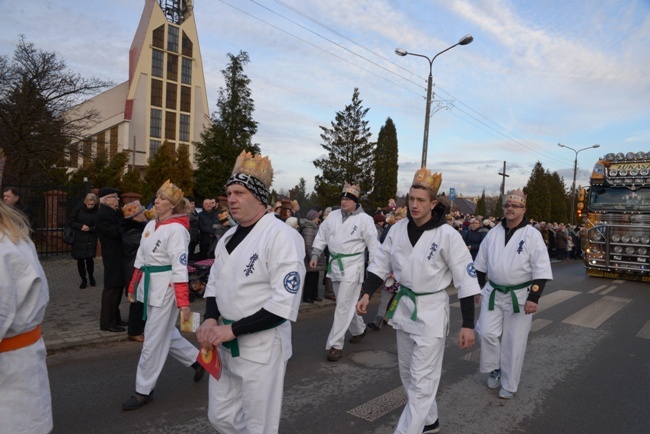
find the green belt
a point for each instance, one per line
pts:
(404, 291)
(505, 289)
(337, 257)
(147, 270)
(233, 345)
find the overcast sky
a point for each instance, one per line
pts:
(538, 73)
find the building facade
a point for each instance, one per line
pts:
(164, 98)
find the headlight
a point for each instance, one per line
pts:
(645, 239)
(625, 238)
(634, 172)
(635, 240)
(644, 172)
(620, 156)
(629, 156)
(623, 172)
(618, 249)
(616, 238)
(643, 251)
(613, 172)
(595, 236)
(640, 155)
(629, 250)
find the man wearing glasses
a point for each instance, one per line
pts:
(514, 256)
(108, 223)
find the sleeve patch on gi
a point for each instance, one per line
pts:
(183, 259)
(471, 270)
(292, 282)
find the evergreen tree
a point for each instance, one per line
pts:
(481, 205)
(102, 172)
(183, 176)
(538, 201)
(497, 210)
(350, 153)
(131, 182)
(231, 132)
(385, 170)
(559, 212)
(160, 168)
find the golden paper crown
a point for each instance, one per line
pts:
(400, 212)
(150, 214)
(425, 178)
(352, 189)
(132, 209)
(256, 166)
(170, 192)
(516, 196)
(222, 213)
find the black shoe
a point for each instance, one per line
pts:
(308, 300)
(122, 323)
(114, 329)
(356, 339)
(91, 279)
(373, 326)
(199, 372)
(318, 299)
(84, 284)
(431, 429)
(136, 401)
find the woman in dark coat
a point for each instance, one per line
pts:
(84, 247)
(309, 231)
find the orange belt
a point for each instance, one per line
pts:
(21, 340)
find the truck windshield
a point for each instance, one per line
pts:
(620, 198)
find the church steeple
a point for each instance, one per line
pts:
(176, 11)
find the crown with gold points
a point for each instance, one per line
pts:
(256, 166)
(352, 189)
(170, 192)
(516, 196)
(425, 178)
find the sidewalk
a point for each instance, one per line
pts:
(72, 316)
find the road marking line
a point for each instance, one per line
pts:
(598, 312)
(618, 281)
(554, 298)
(539, 324)
(597, 289)
(645, 331)
(608, 290)
(473, 356)
(381, 405)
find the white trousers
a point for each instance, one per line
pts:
(503, 335)
(247, 399)
(345, 315)
(420, 368)
(161, 338)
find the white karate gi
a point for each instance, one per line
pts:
(166, 245)
(503, 334)
(439, 258)
(265, 271)
(351, 236)
(25, 402)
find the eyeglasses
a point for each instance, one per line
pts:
(512, 205)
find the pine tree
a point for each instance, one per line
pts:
(385, 170)
(102, 172)
(183, 174)
(350, 153)
(232, 130)
(131, 182)
(497, 210)
(538, 201)
(559, 212)
(161, 167)
(481, 206)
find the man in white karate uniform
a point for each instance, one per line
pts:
(514, 257)
(255, 287)
(426, 255)
(347, 232)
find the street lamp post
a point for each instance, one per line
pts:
(575, 170)
(467, 39)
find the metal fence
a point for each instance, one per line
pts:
(50, 206)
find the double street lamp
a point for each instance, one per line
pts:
(575, 169)
(467, 39)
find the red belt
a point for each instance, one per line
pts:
(20, 341)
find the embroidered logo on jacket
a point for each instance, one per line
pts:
(292, 282)
(156, 247)
(183, 259)
(521, 247)
(433, 249)
(354, 229)
(471, 270)
(251, 265)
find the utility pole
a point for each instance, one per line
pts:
(503, 181)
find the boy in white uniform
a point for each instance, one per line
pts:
(255, 287)
(347, 232)
(514, 256)
(426, 255)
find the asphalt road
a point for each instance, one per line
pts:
(587, 370)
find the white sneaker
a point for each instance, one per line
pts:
(494, 380)
(504, 394)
